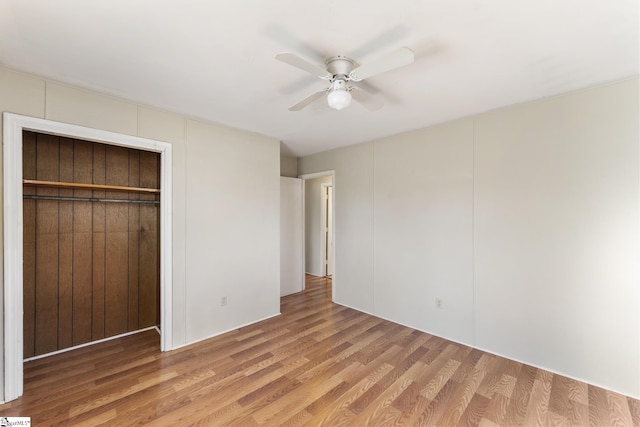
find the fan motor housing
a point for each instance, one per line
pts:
(340, 65)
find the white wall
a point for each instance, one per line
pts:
(556, 233)
(422, 229)
(524, 221)
(225, 205)
(313, 225)
(232, 229)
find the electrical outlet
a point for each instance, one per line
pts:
(223, 301)
(438, 303)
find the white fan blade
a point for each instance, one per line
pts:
(303, 64)
(369, 101)
(396, 59)
(308, 100)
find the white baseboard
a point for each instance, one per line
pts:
(224, 332)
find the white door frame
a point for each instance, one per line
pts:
(332, 174)
(14, 124)
(325, 222)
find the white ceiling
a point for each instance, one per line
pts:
(215, 59)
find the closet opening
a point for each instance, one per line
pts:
(91, 228)
(110, 197)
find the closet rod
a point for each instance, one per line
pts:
(89, 199)
(88, 186)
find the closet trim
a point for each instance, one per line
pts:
(14, 125)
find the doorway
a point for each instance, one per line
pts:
(319, 208)
(14, 126)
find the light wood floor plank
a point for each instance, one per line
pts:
(318, 364)
(475, 411)
(634, 408)
(328, 414)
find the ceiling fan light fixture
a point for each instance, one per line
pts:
(339, 99)
(341, 69)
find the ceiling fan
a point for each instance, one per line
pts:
(340, 71)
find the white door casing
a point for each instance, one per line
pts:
(327, 229)
(14, 125)
(330, 231)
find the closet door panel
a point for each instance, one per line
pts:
(148, 266)
(99, 242)
(98, 248)
(82, 166)
(149, 251)
(117, 240)
(46, 295)
(82, 245)
(29, 245)
(65, 248)
(134, 240)
(116, 273)
(29, 276)
(47, 236)
(47, 162)
(82, 274)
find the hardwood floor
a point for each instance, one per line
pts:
(317, 364)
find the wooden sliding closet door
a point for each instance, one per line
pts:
(91, 257)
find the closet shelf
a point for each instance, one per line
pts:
(88, 186)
